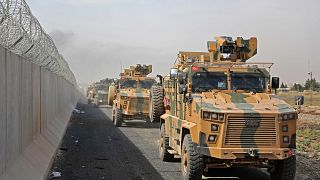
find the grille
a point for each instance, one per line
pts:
(139, 104)
(248, 131)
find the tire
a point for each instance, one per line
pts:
(118, 118)
(164, 146)
(284, 169)
(156, 103)
(111, 95)
(191, 160)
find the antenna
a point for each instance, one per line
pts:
(121, 66)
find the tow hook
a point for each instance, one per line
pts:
(253, 152)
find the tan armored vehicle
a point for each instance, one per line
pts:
(130, 97)
(90, 93)
(220, 113)
(97, 94)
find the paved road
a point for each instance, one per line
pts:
(94, 149)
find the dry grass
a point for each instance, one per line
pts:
(308, 138)
(290, 98)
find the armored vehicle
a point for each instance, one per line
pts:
(220, 112)
(97, 94)
(101, 97)
(131, 95)
(90, 93)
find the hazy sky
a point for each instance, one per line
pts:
(96, 35)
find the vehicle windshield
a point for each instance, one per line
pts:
(146, 84)
(206, 81)
(248, 81)
(102, 96)
(128, 83)
(101, 87)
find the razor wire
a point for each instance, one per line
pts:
(22, 34)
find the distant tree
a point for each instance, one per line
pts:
(297, 87)
(312, 84)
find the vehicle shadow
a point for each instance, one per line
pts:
(140, 124)
(93, 148)
(132, 123)
(244, 173)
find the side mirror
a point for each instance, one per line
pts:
(299, 100)
(173, 73)
(275, 82)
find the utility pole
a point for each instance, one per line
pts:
(311, 86)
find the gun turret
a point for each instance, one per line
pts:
(225, 49)
(138, 71)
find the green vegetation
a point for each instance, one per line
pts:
(308, 138)
(308, 85)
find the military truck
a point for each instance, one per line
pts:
(220, 112)
(130, 96)
(101, 98)
(97, 94)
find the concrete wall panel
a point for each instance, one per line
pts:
(3, 114)
(26, 108)
(36, 87)
(13, 86)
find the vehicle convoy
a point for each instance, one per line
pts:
(131, 95)
(220, 112)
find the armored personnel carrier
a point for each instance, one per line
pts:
(220, 112)
(131, 95)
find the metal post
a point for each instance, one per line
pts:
(311, 87)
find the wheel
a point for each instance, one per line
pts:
(119, 118)
(284, 169)
(156, 103)
(148, 120)
(164, 146)
(111, 95)
(191, 160)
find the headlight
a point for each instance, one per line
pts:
(212, 138)
(212, 116)
(288, 116)
(124, 97)
(206, 115)
(285, 128)
(214, 127)
(285, 139)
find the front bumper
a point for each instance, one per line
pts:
(240, 153)
(134, 115)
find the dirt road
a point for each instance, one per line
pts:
(94, 149)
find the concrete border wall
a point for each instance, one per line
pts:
(35, 107)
